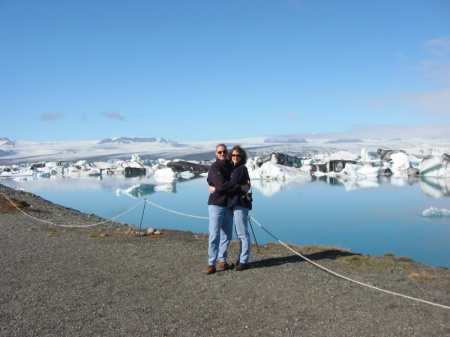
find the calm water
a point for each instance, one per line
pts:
(369, 217)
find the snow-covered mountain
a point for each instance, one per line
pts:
(132, 140)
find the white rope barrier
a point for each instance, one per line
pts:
(344, 277)
(175, 212)
(257, 222)
(71, 226)
(314, 263)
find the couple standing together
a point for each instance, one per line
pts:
(229, 182)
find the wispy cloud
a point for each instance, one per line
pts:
(400, 131)
(438, 47)
(428, 104)
(432, 103)
(113, 115)
(289, 116)
(435, 103)
(50, 116)
(437, 66)
(382, 131)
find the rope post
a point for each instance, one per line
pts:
(142, 216)
(254, 236)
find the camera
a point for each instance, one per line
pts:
(248, 196)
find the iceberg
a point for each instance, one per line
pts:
(436, 212)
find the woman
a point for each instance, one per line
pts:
(240, 176)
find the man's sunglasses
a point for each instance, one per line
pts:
(222, 152)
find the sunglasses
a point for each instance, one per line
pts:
(236, 155)
(222, 152)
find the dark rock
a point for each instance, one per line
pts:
(282, 159)
(412, 171)
(37, 165)
(134, 171)
(331, 166)
(183, 166)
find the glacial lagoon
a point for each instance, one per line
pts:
(374, 217)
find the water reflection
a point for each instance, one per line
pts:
(432, 187)
(272, 187)
(435, 187)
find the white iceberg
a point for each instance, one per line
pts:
(273, 171)
(165, 175)
(436, 212)
(361, 171)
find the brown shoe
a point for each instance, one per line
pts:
(210, 270)
(223, 265)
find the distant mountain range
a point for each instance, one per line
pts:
(344, 140)
(131, 140)
(285, 141)
(7, 142)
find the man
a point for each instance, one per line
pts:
(220, 216)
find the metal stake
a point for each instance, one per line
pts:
(142, 216)
(251, 226)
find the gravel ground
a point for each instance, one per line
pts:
(106, 281)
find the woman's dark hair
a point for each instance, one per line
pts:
(241, 152)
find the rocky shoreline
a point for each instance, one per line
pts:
(106, 281)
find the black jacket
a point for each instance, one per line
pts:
(219, 175)
(239, 176)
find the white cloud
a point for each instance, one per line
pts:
(438, 47)
(434, 103)
(383, 131)
(289, 116)
(113, 115)
(50, 116)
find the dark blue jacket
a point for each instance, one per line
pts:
(240, 177)
(219, 175)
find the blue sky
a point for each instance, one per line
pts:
(210, 70)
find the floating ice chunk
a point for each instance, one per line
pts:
(187, 175)
(163, 161)
(85, 171)
(399, 164)
(436, 212)
(136, 190)
(165, 175)
(355, 170)
(273, 171)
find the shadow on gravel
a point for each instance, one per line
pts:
(324, 255)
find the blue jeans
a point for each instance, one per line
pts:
(220, 233)
(241, 220)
